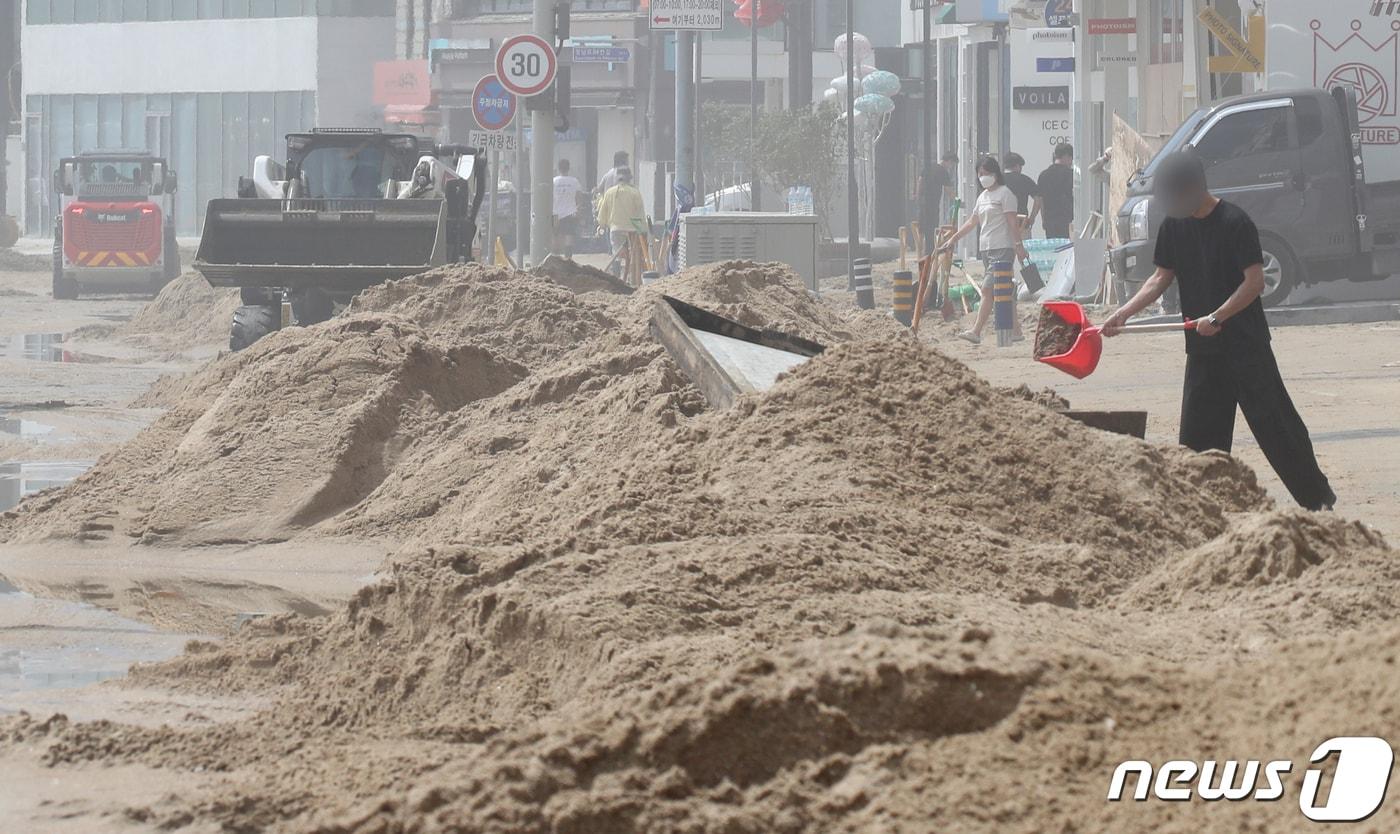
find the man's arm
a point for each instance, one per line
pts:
(1150, 292)
(1035, 211)
(1243, 296)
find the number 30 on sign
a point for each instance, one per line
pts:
(526, 65)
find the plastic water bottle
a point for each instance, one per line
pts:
(792, 201)
(809, 205)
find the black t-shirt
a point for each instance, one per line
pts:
(1057, 195)
(933, 191)
(1024, 188)
(1209, 257)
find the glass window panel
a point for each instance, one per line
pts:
(238, 162)
(61, 135)
(133, 9)
(40, 11)
(158, 9)
(262, 140)
(184, 9)
(134, 122)
(85, 122)
(262, 8)
(62, 11)
(236, 8)
(189, 211)
(109, 11)
(209, 144)
(85, 11)
(109, 122)
(211, 9)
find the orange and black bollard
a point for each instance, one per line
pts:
(904, 297)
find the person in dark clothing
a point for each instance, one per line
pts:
(1211, 248)
(939, 193)
(1055, 204)
(1025, 188)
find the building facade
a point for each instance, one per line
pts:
(209, 84)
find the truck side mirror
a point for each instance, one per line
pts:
(61, 182)
(172, 183)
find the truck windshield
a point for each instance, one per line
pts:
(114, 172)
(1178, 139)
(355, 172)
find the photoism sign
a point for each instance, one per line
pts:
(526, 65)
(695, 15)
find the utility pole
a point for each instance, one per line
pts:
(685, 108)
(852, 196)
(542, 150)
(756, 197)
(929, 200)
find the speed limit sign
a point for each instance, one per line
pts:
(526, 65)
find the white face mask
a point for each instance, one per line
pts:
(987, 180)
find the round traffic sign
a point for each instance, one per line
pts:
(492, 104)
(526, 65)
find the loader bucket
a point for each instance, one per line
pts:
(331, 245)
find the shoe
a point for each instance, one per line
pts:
(969, 336)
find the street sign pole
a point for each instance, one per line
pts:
(685, 108)
(928, 200)
(852, 196)
(756, 187)
(542, 152)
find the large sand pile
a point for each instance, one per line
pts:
(882, 596)
(186, 313)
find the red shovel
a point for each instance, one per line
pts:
(1083, 356)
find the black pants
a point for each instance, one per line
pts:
(1247, 375)
(1054, 231)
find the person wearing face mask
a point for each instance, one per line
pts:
(999, 237)
(1210, 248)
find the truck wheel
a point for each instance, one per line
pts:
(1282, 272)
(311, 307)
(251, 323)
(172, 255)
(64, 289)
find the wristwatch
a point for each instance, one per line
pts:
(1214, 322)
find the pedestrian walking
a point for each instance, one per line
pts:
(1210, 248)
(1055, 203)
(939, 192)
(609, 179)
(994, 217)
(566, 209)
(621, 211)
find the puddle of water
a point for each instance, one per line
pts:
(20, 479)
(47, 644)
(26, 429)
(39, 347)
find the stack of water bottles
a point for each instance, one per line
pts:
(799, 200)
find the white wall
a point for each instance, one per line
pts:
(348, 48)
(1035, 133)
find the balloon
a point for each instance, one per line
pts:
(831, 94)
(839, 85)
(875, 104)
(864, 49)
(865, 69)
(881, 82)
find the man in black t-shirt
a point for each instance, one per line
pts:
(1025, 188)
(1211, 249)
(938, 192)
(1055, 203)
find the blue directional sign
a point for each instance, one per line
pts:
(1059, 13)
(493, 105)
(1054, 65)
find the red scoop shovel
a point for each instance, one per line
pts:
(1069, 321)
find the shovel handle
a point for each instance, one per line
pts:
(1168, 327)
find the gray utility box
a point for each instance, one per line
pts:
(752, 236)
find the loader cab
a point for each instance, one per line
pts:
(350, 164)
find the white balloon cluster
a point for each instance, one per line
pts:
(875, 89)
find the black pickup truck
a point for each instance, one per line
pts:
(1293, 160)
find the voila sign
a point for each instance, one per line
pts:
(1040, 98)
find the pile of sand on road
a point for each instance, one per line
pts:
(186, 313)
(876, 597)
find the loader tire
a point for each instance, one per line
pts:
(251, 323)
(311, 307)
(64, 288)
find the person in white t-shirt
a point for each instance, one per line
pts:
(566, 191)
(999, 236)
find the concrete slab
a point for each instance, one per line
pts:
(1362, 312)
